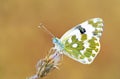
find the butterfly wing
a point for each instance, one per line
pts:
(81, 43)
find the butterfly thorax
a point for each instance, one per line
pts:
(58, 44)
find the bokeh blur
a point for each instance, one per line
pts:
(22, 43)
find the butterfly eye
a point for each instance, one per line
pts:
(82, 30)
(55, 40)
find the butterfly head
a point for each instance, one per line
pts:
(58, 43)
(55, 40)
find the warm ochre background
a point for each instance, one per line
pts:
(22, 44)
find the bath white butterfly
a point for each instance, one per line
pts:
(82, 42)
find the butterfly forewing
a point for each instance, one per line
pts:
(81, 43)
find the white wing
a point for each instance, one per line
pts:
(81, 43)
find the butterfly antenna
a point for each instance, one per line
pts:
(45, 29)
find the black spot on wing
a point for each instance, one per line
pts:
(81, 29)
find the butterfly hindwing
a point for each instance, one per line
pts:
(81, 43)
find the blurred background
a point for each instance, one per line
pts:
(22, 43)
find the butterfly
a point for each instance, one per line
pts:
(82, 42)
